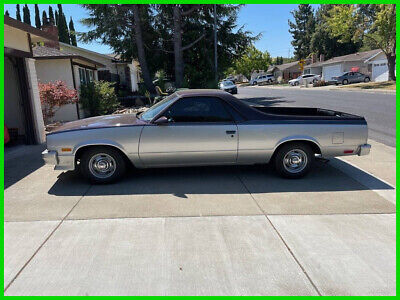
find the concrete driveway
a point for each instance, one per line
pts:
(203, 231)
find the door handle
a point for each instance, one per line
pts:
(230, 131)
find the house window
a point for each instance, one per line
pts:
(86, 75)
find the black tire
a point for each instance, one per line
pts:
(315, 80)
(254, 82)
(104, 155)
(366, 79)
(298, 150)
(345, 81)
(296, 83)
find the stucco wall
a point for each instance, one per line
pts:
(50, 70)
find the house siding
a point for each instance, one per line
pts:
(50, 70)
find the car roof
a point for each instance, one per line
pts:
(202, 92)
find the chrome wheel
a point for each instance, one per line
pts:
(102, 165)
(295, 161)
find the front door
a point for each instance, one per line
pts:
(200, 131)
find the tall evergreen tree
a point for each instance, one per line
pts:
(27, 14)
(18, 13)
(63, 34)
(302, 30)
(51, 15)
(44, 18)
(72, 34)
(56, 18)
(7, 13)
(37, 17)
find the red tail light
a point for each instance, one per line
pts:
(348, 151)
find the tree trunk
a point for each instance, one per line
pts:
(141, 53)
(391, 66)
(178, 52)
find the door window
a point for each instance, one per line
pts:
(201, 109)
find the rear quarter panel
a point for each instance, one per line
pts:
(257, 142)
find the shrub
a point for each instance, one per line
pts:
(320, 83)
(53, 95)
(98, 98)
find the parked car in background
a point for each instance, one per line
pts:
(205, 127)
(231, 78)
(269, 78)
(228, 86)
(351, 77)
(303, 79)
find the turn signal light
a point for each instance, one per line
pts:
(66, 149)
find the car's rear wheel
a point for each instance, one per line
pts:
(294, 160)
(254, 82)
(102, 165)
(345, 81)
(366, 79)
(315, 80)
(296, 83)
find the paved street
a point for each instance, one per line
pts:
(202, 231)
(378, 108)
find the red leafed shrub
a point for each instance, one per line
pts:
(53, 95)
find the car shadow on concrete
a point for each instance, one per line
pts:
(221, 180)
(265, 101)
(20, 161)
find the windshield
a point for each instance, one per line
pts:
(226, 83)
(158, 107)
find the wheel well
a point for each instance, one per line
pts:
(314, 147)
(81, 150)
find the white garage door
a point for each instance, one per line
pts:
(330, 71)
(380, 71)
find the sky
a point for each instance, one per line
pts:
(269, 19)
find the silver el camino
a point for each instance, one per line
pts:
(205, 127)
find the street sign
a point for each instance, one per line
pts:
(301, 63)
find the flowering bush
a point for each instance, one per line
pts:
(53, 95)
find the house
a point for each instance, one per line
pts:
(338, 65)
(378, 65)
(22, 107)
(125, 73)
(286, 71)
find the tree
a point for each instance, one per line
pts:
(27, 14)
(53, 96)
(56, 18)
(375, 25)
(98, 98)
(302, 30)
(252, 60)
(63, 35)
(44, 18)
(37, 17)
(323, 43)
(72, 33)
(7, 13)
(18, 13)
(51, 15)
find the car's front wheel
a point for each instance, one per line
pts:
(345, 81)
(366, 79)
(296, 83)
(294, 160)
(254, 82)
(102, 164)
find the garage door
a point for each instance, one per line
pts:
(330, 71)
(380, 72)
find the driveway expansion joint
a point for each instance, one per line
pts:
(45, 240)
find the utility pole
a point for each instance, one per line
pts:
(215, 44)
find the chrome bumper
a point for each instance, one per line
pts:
(50, 157)
(364, 149)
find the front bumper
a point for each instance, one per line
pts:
(364, 150)
(50, 157)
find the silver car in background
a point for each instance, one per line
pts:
(228, 86)
(303, 79)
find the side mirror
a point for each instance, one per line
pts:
(161, 121)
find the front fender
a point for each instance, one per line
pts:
(97, 142)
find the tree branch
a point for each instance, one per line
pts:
(193, 43)
(190, 10)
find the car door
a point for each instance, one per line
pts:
(200, 131)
